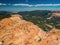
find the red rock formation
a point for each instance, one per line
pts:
(53, 38)
(16, 31)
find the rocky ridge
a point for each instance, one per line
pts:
(17, 31)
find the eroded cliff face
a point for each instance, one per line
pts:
(16, 31)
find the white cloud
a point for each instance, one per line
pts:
(30, 5)
(22, 5)
(47, 5)
(2, 4)
(36, 5)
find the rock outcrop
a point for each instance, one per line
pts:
(53, 38)
(16, 31)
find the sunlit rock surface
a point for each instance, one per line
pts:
(53, 38)
(16, 31)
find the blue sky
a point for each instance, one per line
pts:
(28, 5)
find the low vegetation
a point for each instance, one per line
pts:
(38, 17)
